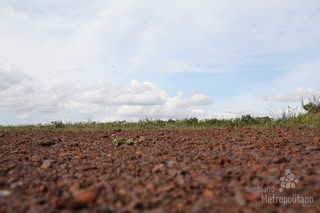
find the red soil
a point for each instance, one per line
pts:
(218, 170)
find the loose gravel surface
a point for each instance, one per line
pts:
(216, 170)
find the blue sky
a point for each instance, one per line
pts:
(115, 60)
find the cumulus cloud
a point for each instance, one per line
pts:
(293, 96)
(27, 98)
(11, 76)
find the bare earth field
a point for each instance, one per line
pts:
(215, 170)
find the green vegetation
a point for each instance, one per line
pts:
(309, 119)
(126, 141)
(313, 107)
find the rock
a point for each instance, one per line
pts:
(151, 187)
(40, 201)
(139, 154)
(74, 187)
(312, 148)
(122, 192)
(282, 160)
(166, 187)
(47, 142)
(4, 193)
(316, 140)
(16, 184)
(239, 198)
(253, 197)
(248, 147)
(47, 164)
(170, 163)
(180, 180)
(207, 193)
(158, 168)
(85, 197)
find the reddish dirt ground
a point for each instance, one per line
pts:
(218, 170)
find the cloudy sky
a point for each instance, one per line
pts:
(130, 59)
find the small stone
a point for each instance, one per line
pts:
(85, 197)
(122, 192)
(4, 193)
(170, 163)
(253, 197)
(207, 193)
(16, 184)
(248, 147)
(316, 140)
(47, 164)
(47, 143)
(139, 154)
(166, 187)
(36, 158)
(40, 201)
(312, 148)
(281, 160)
(239, 198)
(180, 180)
(151, 187)
(74, 187)
(158, 168)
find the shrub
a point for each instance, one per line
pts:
(57, 124)
(313, 106)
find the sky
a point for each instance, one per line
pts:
(81, 60)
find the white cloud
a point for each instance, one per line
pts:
(55, 98)
(224, 115)
(294, 96)
(10, 76)
(23, 116)
(143, 36)
(199, 99)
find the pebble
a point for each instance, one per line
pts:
(85, 197)
(207, 193)
(239, 198)
(166, 187)
(316, 140)
(139, 154)
(158, 168)
(16, 184)
(47, 164)
(4, 193)
(74, 187)
(47, 143)
(281, 160)
(312, 148)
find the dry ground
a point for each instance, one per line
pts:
(218, 170)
